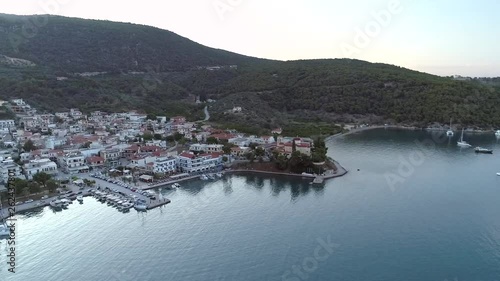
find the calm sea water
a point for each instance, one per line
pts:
(409, 213)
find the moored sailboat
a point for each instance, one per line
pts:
(463, 143)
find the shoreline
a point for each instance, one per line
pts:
(400, 127)
(340, 172)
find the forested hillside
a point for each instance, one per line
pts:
(101, 65)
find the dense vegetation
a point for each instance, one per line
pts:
(163, 73)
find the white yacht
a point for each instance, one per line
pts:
(497, 133)
(140, 207)
(463, 143)
(449, 133)
(176, 185)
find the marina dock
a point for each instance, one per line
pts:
(158, 203)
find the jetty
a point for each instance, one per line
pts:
(158, 203)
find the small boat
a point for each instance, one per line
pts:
(463, 143)
(204, 177)
(79, 198)
(483, 150)
(498, 174)
(210, 176)
(219, 175)
(449, 133)
(176, 185)
(140, 207)
(497, 134)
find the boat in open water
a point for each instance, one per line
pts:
(483, 150)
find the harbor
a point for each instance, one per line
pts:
(107, 191)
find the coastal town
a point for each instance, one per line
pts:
(51, 153)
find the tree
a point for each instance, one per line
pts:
(225, 159)
(294, 146)
(281, 162)
(42, 178)
(51, 186)
(227, 148)
(29, 146)
(157, 137)
(87, 144)
(259, 151)
(20, 186)
(151, 117)
(212, 140)
(34, 187)
(178, 136)
(147, 136)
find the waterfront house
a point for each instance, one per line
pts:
(36, 166)
(164, 165)
(188, 162)
(73, 162)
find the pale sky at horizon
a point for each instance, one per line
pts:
(444, 38)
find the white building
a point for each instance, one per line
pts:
(7, 124)
(34, 167)
(209, 148)
(8, 166)
(165, 165)
(73, 162)
(190, 163)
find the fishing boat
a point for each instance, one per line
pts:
(483, 150)
(463, 143)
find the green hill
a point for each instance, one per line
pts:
(102, 65)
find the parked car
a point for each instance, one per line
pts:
(45, 197)
(29, 201)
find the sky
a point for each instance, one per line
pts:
(441, 37)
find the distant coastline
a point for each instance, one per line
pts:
(402, 127)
